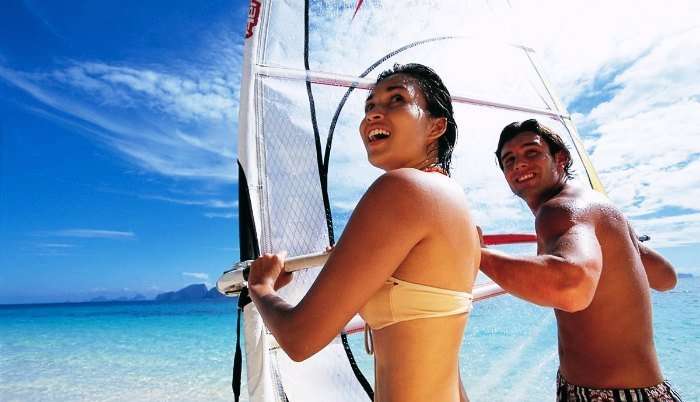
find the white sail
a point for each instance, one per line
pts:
(307, 70)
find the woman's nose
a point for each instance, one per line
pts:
(374, 115)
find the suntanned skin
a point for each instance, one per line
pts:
(410, 224)
(590, 267)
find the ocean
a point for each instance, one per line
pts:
(148, 351)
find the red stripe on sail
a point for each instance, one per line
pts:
(357, 8)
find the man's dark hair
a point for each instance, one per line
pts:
(552, 139)
(438, 101)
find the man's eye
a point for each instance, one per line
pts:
(369, 106)
(531, 153)
(397, 98)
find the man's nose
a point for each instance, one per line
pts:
(520, 163)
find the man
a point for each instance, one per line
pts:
(590, 267)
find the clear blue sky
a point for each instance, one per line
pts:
(104, 187)
(118, 124)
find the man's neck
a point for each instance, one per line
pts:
(536, 202)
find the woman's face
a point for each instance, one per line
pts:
(396, 129)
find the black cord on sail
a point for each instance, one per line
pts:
(249, 250)
(323, 176)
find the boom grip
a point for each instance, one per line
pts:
(305, 261)
(234, 280)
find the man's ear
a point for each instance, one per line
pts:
(438, 127)
(561, 159)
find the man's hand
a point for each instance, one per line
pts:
(481, 236)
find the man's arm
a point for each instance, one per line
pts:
(565, 273)
(660, 272)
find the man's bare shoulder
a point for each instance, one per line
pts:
(577, 205)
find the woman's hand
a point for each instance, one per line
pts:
(268, 270)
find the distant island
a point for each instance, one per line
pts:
(198, 291)
(101, 299)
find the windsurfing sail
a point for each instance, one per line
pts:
(302, 166)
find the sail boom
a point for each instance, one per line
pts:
(346, 81)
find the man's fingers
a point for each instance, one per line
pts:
(481, 235)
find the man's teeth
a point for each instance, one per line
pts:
(378, 134)
(525, 177)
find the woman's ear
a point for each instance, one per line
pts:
(437, 128)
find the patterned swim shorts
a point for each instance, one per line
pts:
(573, 393)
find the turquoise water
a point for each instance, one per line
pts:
(146, 351)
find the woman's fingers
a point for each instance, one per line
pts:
(267, 269)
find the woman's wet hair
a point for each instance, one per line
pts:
(553, 140)
(439, 104)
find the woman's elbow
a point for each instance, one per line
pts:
(298, 355)
(296, 352)
(299, 349)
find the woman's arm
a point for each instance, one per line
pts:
(390, 219)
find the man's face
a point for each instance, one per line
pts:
(529, 167)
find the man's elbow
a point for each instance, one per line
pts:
(665, 283)
(577, 293)
(573, 303)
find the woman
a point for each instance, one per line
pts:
(407, 258)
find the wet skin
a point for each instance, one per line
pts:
(590, 267)
(410, 224)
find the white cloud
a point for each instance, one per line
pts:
(636, 64)
(198, 276)
(582, 41)
(167, 123)
(187, 99)
(222, 215)
(648, 149)
(56, 245)
(211, 203)
(670, 231)
(92, 234)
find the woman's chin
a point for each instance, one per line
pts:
(376, 162)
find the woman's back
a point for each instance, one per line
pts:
(416, 359)
(407, 258)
